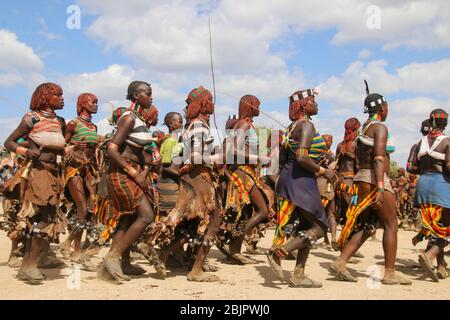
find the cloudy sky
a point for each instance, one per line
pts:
(269, 48)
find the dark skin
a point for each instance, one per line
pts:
(175, 123)
(34, 246)
(346, 164)
(304, 133)
(130, 230)
(257, 199)
(384, 206)
(76, 185)
(197, 273)
(427, 164)
(331, 206)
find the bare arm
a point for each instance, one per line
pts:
(22, 130)
(304, 134)
(124, 127)
(447, 158)
(413, 162)
(380, 136)
(69, 131)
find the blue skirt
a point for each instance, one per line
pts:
(433, 188)
(300, 186)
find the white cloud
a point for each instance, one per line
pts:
(108, 84)
(18, 62)
(7, 125)
(345, 93)
(364, 54)
(173, 35)
(45, 32)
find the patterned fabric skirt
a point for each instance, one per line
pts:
(300, 187)
(362, 199)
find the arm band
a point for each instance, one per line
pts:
(113, 146)
(378, 158)
(131, 171)
(302, 152)
(21, 150)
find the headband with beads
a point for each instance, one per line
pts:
(304, 94)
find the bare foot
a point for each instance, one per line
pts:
(202, 277)
(32, 276)
(303, 282)
(275, 264)
(64, 248)
(441, 272)
(14, 262)
(341, 273)
(112, 263)
(428, 268)
(241, 259)
(75, 256)
(49, 261)
(392, 278)
(132, 270)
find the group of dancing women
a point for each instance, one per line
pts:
(170, 197)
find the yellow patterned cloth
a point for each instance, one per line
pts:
(431, 216)
(355, 209)
(285, 209)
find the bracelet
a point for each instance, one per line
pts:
(113, 146)
(131, 171)
(378, 158)
(21, 150)
(380, 189)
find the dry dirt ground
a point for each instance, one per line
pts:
(237, 282)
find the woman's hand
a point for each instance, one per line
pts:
(329, 174)
(141, 178)
(379, 200)
(81, 145)
(33, 154)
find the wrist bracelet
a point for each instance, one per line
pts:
(21, 150)
(113, 146)
(130, 171)
(380, 189)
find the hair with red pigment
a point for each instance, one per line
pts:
(297, 108)
(351, 126)
(42, 95)
(150, 114)
(83, 99)
(402, 171)
(248, 106)
(328, 139)
(199, 103)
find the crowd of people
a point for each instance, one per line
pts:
(170, 197)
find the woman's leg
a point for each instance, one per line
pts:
(76, 189)
(197, 273)
(261, 211)
(145, 215)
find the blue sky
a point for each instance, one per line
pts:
(260, 47)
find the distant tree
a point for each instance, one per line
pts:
(393, 170)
